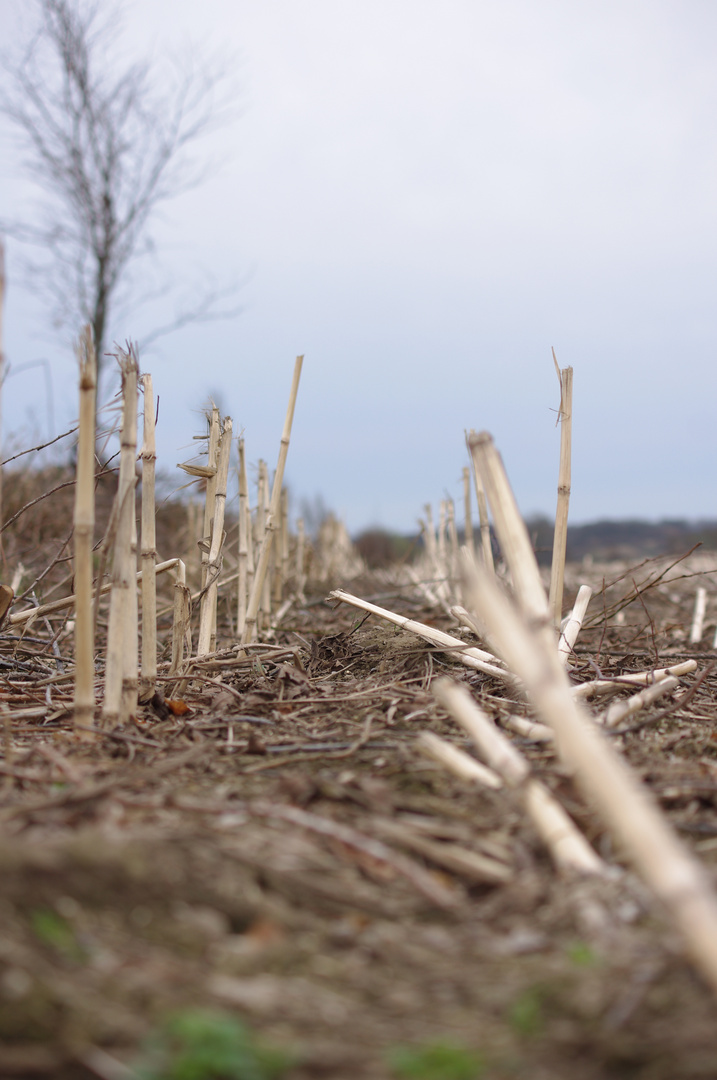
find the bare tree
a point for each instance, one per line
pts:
(105, 146)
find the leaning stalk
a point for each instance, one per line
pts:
(253, 607)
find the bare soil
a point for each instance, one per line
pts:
(280, 850)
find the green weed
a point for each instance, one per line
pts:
(436, 1061)
(51, 929)
(526, 1013)
(582, 955)
(201, 1045)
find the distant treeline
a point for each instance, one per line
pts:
(603, 540)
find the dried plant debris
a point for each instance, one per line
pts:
(340, 839)
(272, 846)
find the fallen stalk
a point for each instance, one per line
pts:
(418, 877)
(466, 654)
(69, 601)
(676, 879)
(568, 847)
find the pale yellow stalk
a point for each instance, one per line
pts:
(148, 455)
(597, 687)
(452, 547)
(675, 877)
(574, 624)
(180, 622)
(250, 561)
(208, 612)
(260, 534)
(210, 493)
(300, 555)
(568, 847)
(560, 536)
(84, 705)
(509, 526)
(130, 675)
(429, 536)
(28, 616)
(468, 513)
(2, 367)
(121, 636)
(253, 606)
(284, 575)
(244, 529)
(265, 604)
(192, 559)
(698, 616)
(457, 761)
(486, 545)
(620, 711)
(442, 559)
(465, 654)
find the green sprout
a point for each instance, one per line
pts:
(436, 1061)
(201, 1045)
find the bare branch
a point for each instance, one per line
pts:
(105, 144)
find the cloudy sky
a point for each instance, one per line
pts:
(424, 198)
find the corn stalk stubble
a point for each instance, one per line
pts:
(148, 456)
(120, 698)
(527, 643)
(560, 536)
(84, 521)
(263, 562)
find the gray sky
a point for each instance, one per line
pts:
(423, 198)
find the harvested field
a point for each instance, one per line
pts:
(277, 848)
(293, 820)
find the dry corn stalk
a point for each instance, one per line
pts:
(84, 534)
(453, 546)
(30, 614)
(465, 654)
(180, 623)
(213, 565)
(130, 677)
(284, 576)
(264, 498)
(674, 876)
(457, 761)
(486, 546)
(209, 495)
(300, 552)
(510, 528)
(148, 455)
(2, 364)
(639, 678)
(192, 559)
(527, 643)
(621, 710)
(568, 847)
(433, 555)
(263, 564)
(244, 530)
(574, 624)
(698, 617)
(467, 506)
(560, 536)
(120, 671)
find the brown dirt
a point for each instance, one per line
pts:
(279, 852)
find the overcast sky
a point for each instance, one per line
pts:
(424, 197)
